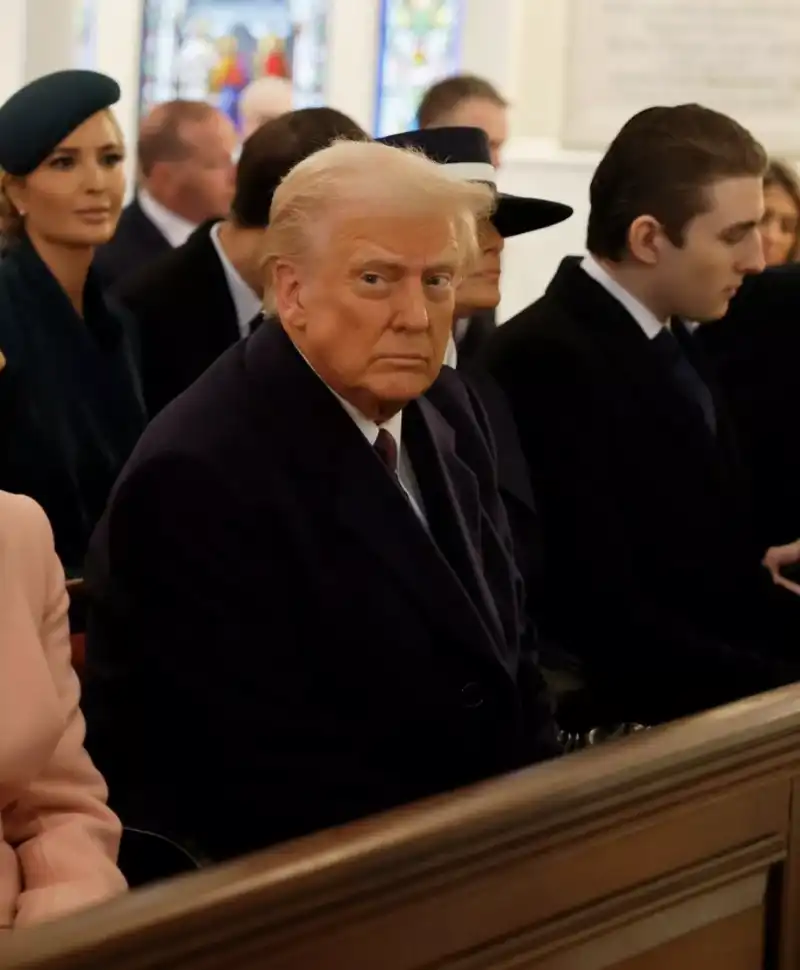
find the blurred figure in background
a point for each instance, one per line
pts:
(186, 169)
(469, 102)
(58, 838)
(780, 227)
(70, 403)
(263, 100)
(195, 301)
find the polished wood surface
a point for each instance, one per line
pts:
(673, 848)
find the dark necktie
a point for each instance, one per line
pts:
(386, 449)
(692, 386)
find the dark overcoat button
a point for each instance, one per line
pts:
(472, 695)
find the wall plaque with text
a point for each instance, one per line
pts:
(739, 57)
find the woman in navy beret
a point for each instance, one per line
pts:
(71, 407)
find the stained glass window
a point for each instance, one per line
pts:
(419, 44)
(211, 50)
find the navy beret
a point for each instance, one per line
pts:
(39, 116)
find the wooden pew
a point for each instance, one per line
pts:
(677, 848)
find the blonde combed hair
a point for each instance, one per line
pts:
(374, 179)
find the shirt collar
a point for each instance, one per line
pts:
(451, 353)
(366, 426)
(174, 228)
(245, 301)
(646, 319)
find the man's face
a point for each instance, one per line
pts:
(371, 307)
(206, 177)
(721, 246)
(484, 114)
(481, 289)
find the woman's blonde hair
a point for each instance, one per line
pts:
(375, 178)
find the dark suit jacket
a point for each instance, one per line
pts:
(755, 349)
(135, 243)
(277, 645)
(654, 575)
(186, 316)
(480, 329)
(71, 406)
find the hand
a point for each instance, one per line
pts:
(778, 558)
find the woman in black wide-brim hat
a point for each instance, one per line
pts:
(466, 154)
(70, 404)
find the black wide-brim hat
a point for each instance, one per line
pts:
(465, 153)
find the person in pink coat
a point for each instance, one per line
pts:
(58, 838)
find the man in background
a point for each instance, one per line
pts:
(469, 102)
(263, 100)
(185, 176)
(194, 301)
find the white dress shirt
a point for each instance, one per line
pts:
(247, 304)
(174, 228)
(451, 353)
(646, 319)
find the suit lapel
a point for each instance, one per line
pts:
(453, 502)
(725, 437)
(213, 303)
(147, 232)
(437, 567)
(626, 347)
(444, 580)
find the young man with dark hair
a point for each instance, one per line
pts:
(200, 298)
(657, 580)
(470, 102)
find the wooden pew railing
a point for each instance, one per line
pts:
(677, 848)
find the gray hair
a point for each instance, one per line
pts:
(378, 178)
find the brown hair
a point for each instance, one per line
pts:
(445, 96)
(781, 175)
(660, 164)
(160, 133)
(274, 149)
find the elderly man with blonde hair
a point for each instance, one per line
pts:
(304, 606)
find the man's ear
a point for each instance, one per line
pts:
(287, 288)
(646, 239)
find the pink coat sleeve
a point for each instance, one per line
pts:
(65, 836)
